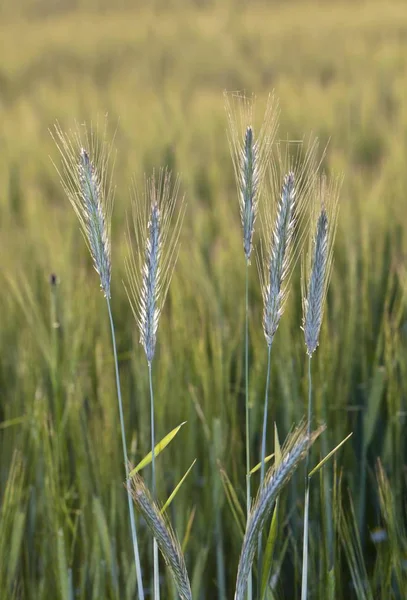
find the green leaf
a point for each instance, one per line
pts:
(12, 422)
(272, 536)
(268, 555)
(277, 447)
(175, 491)
(327, 457)
(257, 467)
(331, 584)
(198, 572)
(233, 501)
(188, 530)
(371, 412)
(62, 566)
(105, 541)
(16, 540)
(157, 450)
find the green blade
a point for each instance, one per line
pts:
(188, 530)
(257, 467)
(233, 501)
(327, 457)
(175, 491)
(157, 450)
(268, 555)
(371, 414)
(277, 447)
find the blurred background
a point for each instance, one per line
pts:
(158, 70)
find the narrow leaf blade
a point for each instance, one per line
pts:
(328, 456)
(157, 450)
(268, 555)
(176, 489)
(257, 467)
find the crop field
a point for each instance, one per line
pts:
(154, 75)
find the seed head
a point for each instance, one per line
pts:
(293, 453)
(163, 533)
(250, 157)
(150, 265)
(283, 225)
(86, 178)
(318, 271)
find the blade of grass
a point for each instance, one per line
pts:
(176, 489)
(327, 457)
(233, 501)
(157, 450)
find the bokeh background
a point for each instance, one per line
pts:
(158, 70)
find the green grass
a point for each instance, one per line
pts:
(339, 71)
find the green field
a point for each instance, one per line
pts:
(159, 70)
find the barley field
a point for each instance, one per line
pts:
(156, 72)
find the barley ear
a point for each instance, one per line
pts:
(293, 453)
(250, 156)
(155, 229)
(86, 177)
(163, 533)
(317, 268)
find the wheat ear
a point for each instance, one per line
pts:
(86, 177)
(292, 179)
(293, 453)
(163, 533)
(250, 155)
(156, 226)
(317, 267)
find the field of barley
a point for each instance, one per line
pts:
(156, 73)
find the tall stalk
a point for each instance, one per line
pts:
(153, 484)
(246, 362)
(264, 432)
(304, 583)
(315, 285)
(263, 454)
(274, 270)
(86, 178)
(250, 156)
(126, 463)
(157, 225)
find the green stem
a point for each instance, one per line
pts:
(126, 464)
(304, 584)
(248, 491)
(327, 496)
(263, 450)
(153, 484)
(264, 435)
(55, 358)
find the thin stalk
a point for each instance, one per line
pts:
(153, 485)
(246, 365)
(216, 451)
(126, 464)
(55, 350)
(304, 584)
(327, 496)
(263, 452)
